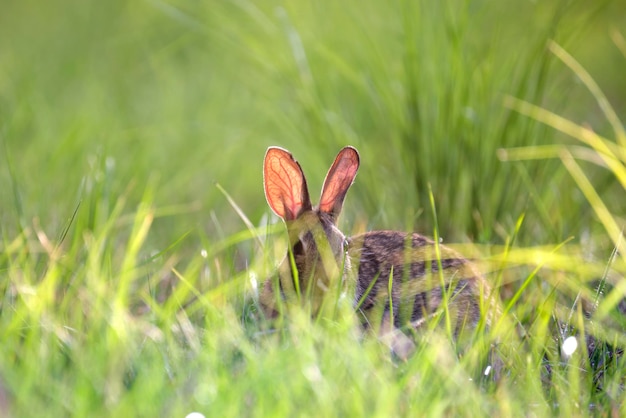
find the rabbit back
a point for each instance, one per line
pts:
(405, 278)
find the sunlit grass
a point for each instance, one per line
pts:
(135, 237)
(600, 321)
(605, 153)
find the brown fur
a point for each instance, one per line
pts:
(422, 273)
(410, 261)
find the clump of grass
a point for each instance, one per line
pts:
(597, 292)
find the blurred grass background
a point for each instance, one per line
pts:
(192, 93)
(114, 113)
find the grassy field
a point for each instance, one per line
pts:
(135, 233)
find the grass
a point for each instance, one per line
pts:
(135, 234)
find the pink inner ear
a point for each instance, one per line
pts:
(338, 180)
(285, 187)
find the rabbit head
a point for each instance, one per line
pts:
(318, 247)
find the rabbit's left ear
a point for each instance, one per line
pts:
(338, 180)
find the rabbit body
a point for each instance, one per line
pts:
(399, 279)
(422, 276)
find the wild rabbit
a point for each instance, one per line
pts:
(422, 274)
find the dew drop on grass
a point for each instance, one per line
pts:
(204, 253)
(569, 346)
(487, 370)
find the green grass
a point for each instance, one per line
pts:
(134, 231)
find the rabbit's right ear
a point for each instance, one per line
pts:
(285, 186)
(338, 180)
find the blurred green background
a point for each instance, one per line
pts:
(96, 96)
(114, 111)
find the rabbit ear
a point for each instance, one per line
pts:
(338, 180)
(285, 186)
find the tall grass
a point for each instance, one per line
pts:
(135, 235)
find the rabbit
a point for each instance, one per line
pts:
(422, 274)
